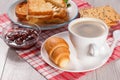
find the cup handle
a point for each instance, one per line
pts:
(92, 49)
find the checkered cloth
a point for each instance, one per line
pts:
(33, 57)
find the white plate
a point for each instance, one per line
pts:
(80, 65)
(72, 11)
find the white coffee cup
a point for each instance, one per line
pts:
(87, 35)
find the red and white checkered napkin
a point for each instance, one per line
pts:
(35, 60)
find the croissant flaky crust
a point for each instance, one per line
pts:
(58, 51)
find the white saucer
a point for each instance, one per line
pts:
(79, 65)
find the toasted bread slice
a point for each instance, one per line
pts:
(43, 21)
(21, 11)
(59, 8)
(39, 7)
(58, 13)
(58, 3)
(59, 16)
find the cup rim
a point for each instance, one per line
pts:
(87, 19)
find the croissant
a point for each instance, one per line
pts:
(58, 51)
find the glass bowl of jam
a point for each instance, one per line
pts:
(21, 38)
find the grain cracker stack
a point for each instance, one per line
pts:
(105, 13)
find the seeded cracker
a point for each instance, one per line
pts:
(105, 13)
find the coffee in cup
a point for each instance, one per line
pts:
(88, 29)
(87, 35)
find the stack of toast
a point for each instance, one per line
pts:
(42, 11)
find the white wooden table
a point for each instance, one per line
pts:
(12, 67)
